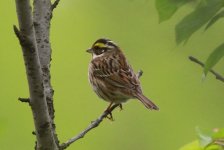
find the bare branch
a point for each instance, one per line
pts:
(217, 75)
(139, 73)
(42, 17)
(26, 36)
(93, 125)
(55, 4)
(219, 141)
(18, 34)
(24, 100)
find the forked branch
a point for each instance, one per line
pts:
(217, 75)
(38, 97)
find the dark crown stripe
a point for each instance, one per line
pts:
(106, 41)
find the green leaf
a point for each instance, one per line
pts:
(218, 139)
(214, 19)
(192, 146)
(213, 147)
(166, 8)
(205, 10)
(214, 58)
(204, 139)
(218, 134)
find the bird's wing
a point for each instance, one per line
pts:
(118, 74)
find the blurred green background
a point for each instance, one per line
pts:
(170, 79)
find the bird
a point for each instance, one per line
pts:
(112, 77)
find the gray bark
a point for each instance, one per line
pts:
(42, 17)
(36, 61)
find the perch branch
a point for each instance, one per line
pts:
(95, 123)
(217, 75)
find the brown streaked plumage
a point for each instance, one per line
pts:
(111, 77)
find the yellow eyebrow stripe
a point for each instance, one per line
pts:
(101, 45)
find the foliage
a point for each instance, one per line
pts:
(213, 58)
(168, 79)
(206, 13)
(166, 8)
(213, 141)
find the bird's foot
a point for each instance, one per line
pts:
(110, 116)
(108, 111)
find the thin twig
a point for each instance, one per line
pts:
(217, 75)
(25, 100)
(18, 33)
(219, 142)
(55, 4)
(93, 125)
(139, 73)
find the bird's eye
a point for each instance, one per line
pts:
(99, 51)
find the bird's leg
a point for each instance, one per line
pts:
(108, 108)
(109, 116)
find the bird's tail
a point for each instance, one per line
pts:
(148, 103)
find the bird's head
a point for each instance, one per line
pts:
(103, 47)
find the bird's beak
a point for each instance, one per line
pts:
(89, 50)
